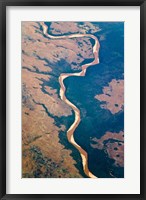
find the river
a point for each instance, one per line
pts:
(62, 77)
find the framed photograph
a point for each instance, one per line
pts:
(72, 99)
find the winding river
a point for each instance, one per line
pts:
(62, 77)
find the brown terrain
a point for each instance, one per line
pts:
(112, 143)
(115, 150)
(113, 96)
(42, 62)
(58, 28)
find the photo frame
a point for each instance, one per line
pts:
(5, 106)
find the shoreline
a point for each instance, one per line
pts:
(62, 77)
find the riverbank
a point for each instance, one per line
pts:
(62, 77)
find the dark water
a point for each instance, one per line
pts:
(82, 90)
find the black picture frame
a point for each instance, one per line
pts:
(3, 124)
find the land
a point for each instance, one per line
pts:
(113, 146)
(43, 112)
(113, 96)
(112, 143)
(48, 146)
(61, 28)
